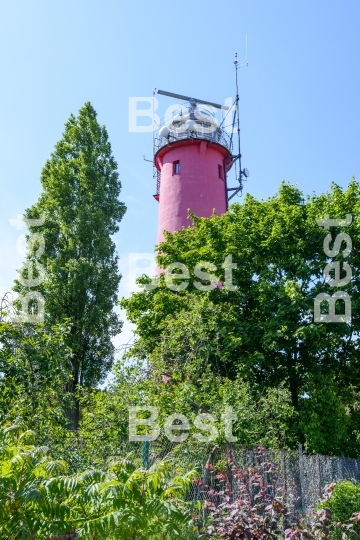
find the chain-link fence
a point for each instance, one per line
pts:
(301, 477)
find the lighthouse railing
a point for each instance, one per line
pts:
(219, 136)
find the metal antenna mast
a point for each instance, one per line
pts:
(242, 173)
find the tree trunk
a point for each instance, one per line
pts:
(72, 412)
(294, 389)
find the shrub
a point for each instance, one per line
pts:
(38, 499)
(246, 503)
(343, 499)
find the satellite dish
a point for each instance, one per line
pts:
(164, 132)
(246, 173)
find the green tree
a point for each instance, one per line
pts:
(81, 211)
(262, 329)
(35, 369)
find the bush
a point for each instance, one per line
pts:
(343, 499)
(247, 503)
(38, 499)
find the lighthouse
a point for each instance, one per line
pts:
(192, 156)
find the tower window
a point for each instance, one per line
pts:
(176, 167)
(220, 172)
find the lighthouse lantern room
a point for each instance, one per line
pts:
(192, 158)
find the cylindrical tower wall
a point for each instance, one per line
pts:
(192, 178)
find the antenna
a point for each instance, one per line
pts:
(187, 98)
(242, 173)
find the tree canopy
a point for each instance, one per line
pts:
(262, 329)
(81, 211)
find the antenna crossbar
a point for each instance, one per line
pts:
(187, 98)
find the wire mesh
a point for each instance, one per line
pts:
(7, 310)
(301, 478)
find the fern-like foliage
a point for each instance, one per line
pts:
(38, 499)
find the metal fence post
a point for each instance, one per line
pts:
(318, 471)
(283, 467)
(145, 454)
(343, 467)
(302, 482)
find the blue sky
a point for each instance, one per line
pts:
(299, 96)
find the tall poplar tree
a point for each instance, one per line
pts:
(81, 211)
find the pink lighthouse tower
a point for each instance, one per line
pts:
(192, 155)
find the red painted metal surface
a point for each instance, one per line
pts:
(197, 187)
